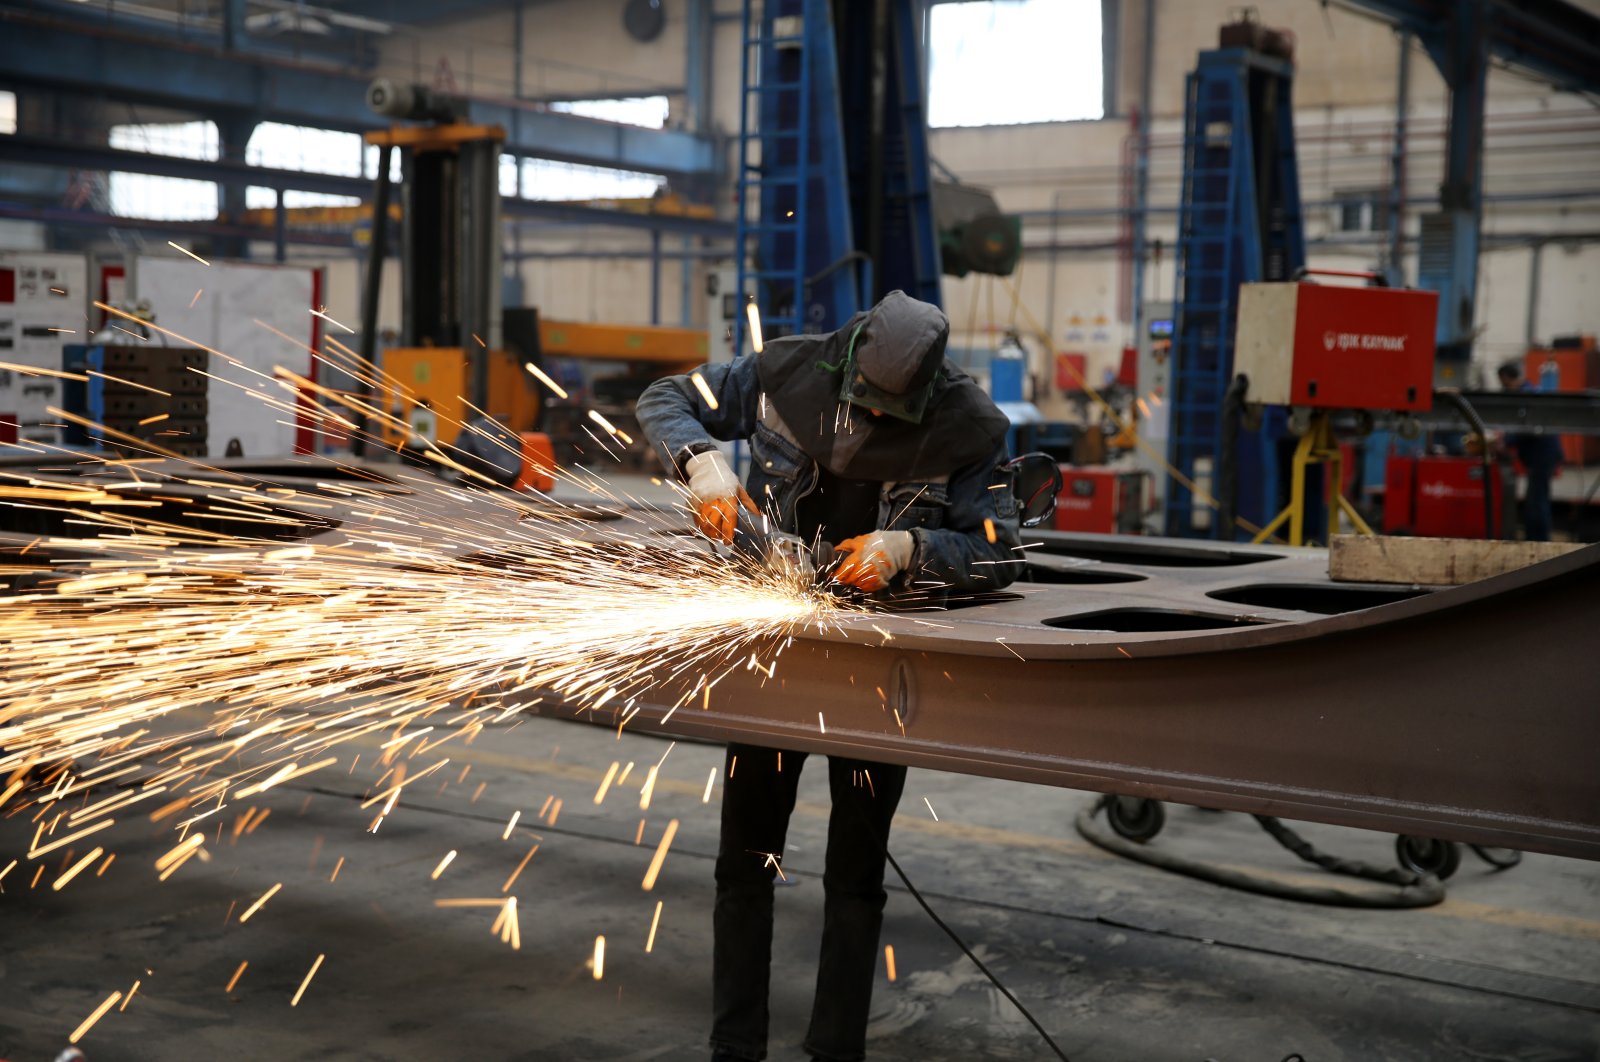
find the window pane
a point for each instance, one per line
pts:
(648, 111)
(8, 113)
(369, 164)
(508, 175)
(1350, 212)
(547, 179)
(141, 195)
(258, 198)
(1005, 62)
(185, 140)
(304, 150)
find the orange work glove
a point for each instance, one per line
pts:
(717, 495)
(868, 562)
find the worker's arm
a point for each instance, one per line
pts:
(678, 419)
(959, 554)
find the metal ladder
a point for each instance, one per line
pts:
(793, 210)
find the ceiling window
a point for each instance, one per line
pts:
(1009, 62)
(143, 195)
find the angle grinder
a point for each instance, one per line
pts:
(755, 542)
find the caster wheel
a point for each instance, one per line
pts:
(1424, 855)
(1135, 818)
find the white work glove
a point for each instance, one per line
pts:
(868, 562)
(717, 495)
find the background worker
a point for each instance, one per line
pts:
(1540, 455)
(868, 439)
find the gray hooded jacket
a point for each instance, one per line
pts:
(943, 478)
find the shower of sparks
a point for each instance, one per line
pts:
(660, 857)
(99, 1012)
(753, 312)
(599, 962)
(185, 250)
(605, 783)
(538, 374)
(295, 1002)
(253, 908)
(704, 389)
(175, 644)
(655, 920)
(336, 324)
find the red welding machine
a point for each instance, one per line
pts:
(1106, 501)
(1328, 347)
(1438, 497)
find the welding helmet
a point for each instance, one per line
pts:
(893, 357)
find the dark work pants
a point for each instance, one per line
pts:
(757, 800)
(1537, 510)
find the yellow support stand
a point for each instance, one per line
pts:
(1317, 447)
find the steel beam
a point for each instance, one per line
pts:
(168, 71)
(1469, 714)
(1572, 411)
(55, 215)
(41, 151)
(1552, 39)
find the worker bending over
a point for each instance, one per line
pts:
(867, 439)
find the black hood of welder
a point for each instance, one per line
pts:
(892, 356)
(889, 358)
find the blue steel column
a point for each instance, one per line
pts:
(655, 276)
(233, 134)
(1397, 166)
(1141, 168)
(1461, 194)
(280, 230)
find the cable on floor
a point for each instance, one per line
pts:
(1413, 890)
(1015, 1002)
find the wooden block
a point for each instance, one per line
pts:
(1433, 561)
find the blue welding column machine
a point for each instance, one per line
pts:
(1239, 222)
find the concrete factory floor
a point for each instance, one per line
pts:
(1120, 961)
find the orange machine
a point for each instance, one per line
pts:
(439, 374)
(1577, 368)
(449, 352)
